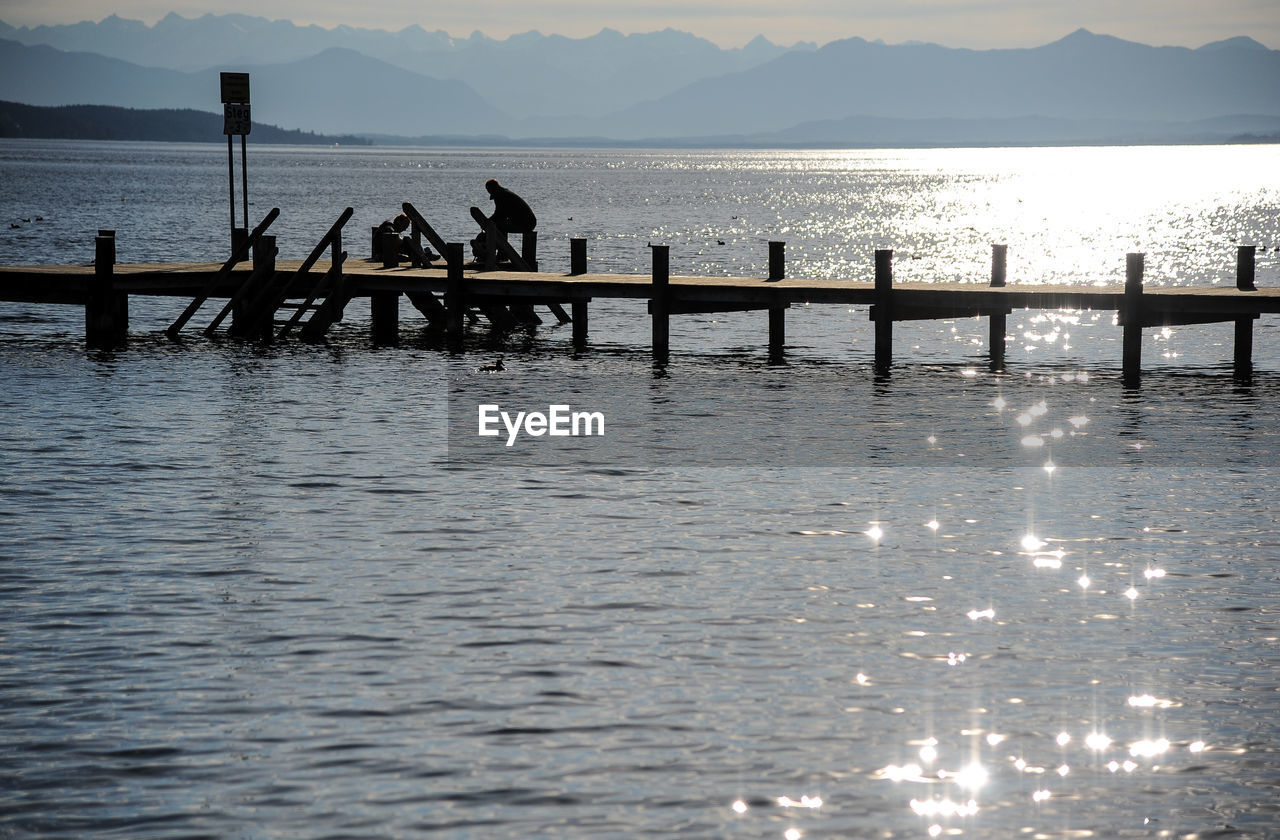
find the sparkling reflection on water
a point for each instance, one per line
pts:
(255, 592)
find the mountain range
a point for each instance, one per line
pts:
(669, 86)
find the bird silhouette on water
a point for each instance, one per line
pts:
(493, 367)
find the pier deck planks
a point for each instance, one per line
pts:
(69, 284)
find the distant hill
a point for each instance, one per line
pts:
(43, 75)
(337, 92)
(104, 122)
(341, 90)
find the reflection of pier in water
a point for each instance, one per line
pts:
(256, 295)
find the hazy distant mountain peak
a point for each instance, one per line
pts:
(1240, 42)
(529, 37)
(1086, 38)
(851, 42)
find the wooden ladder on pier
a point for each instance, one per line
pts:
(496, 245)
(325, 299)
(251, 243)
(426, 302)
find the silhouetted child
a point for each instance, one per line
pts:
(408, 247)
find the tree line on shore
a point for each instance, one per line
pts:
(106, 122)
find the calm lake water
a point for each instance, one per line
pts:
(287, 591)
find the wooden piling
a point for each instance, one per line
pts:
(1246, 257)
(389, 245)
(999, 265)
(579, 324)
(777, 332)
(336, 255)
(263, 260)
(1131, 318)
(264, 264)
(1244, 346)
(239, 236)
(529, 249)
(659, 302)
(264, 252)
(106, 311)
(882, 310)
(384, 317)
(577, 257)
(777, 260)
(997, 327)
(455, 293)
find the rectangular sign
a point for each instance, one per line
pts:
(235, 88)
(235, 119)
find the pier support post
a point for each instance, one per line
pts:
(389, 246)
(106, 311)
(579, 324)
(882, 311)
(777, 332)
(529, 249)
(777, 260)
(1131, 317)
(659, 308)
(384, 317)
(777, 312)
(577, 257)
(264, 252)
(1246, 256)
(455, 294)
(239, 235)
(997, 326)
(1244, 347)
(263, 260)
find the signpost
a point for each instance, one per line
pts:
(236, 120)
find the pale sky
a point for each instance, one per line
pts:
(978, 24)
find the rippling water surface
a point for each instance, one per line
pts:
(253, 591)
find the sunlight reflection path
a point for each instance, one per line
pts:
(979, 767)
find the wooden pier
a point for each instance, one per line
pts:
(255, 293)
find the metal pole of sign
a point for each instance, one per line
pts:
(244, 177)
(231, 182)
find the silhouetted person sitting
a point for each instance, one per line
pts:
(408, 248)
(511, 214)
